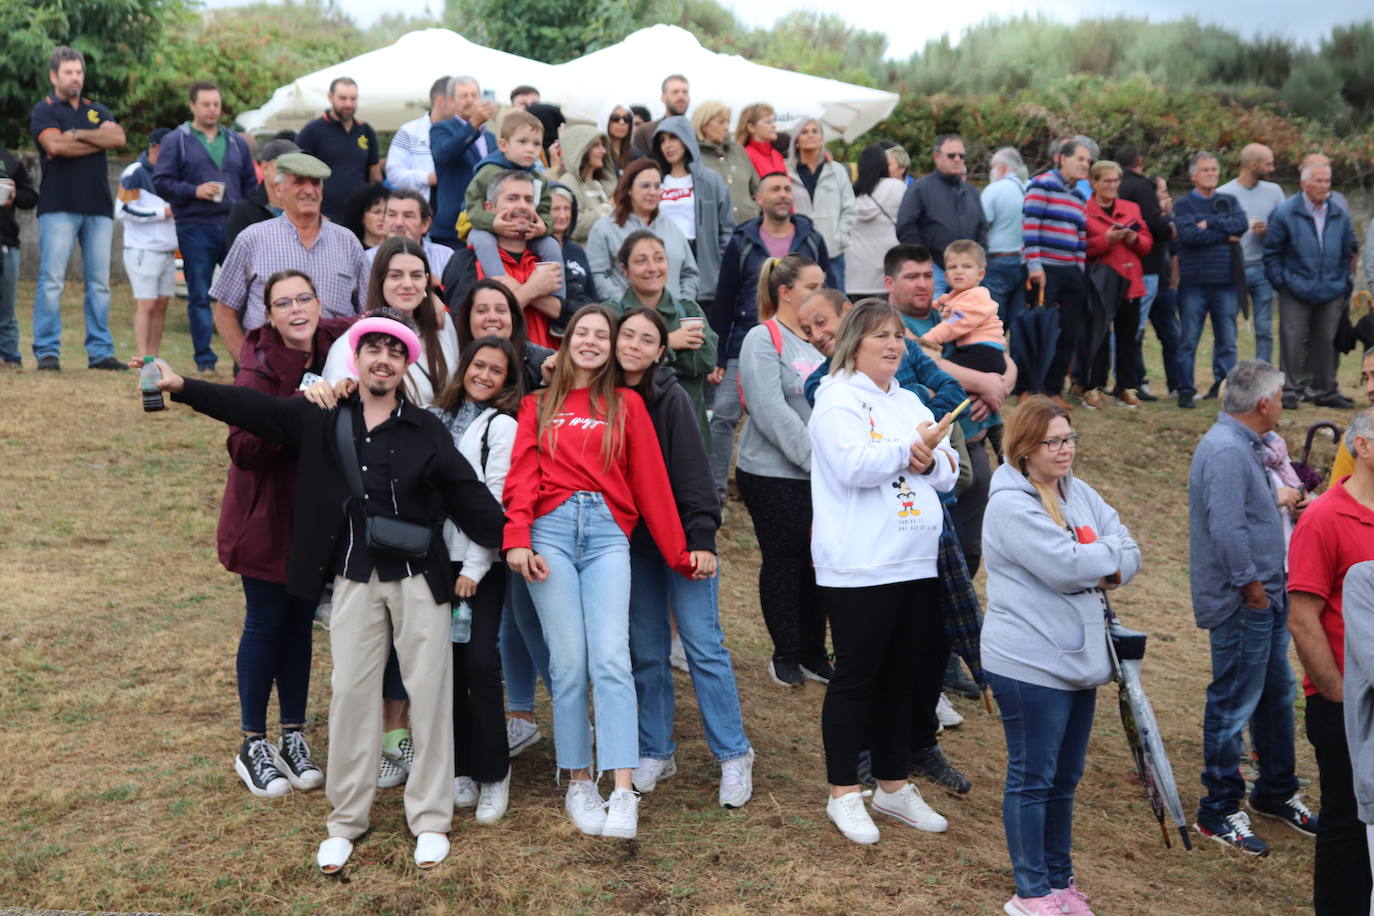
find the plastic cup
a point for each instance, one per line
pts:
(693, 323)
(219, 191)
(6, 190)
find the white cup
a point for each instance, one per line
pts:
(6, 190)
(219, 191)
(693, 323)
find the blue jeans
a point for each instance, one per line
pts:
(653, 588)
(57, 233)
(1006, 281)
(523, 650)
(584, 610)
(1047, 741)
(1262, 301)
(9, 292)
(1251, 683)
(274, 648)
(837, 269)
(1195, 303)
(202, 248)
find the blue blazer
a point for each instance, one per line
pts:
(454, 147)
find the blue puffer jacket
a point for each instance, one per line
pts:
(1204, 255)
(1295, 261)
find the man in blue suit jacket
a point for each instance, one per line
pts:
(458, 144)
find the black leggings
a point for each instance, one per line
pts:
(1125, 324)
(479, 718)
(792, 610)
(885, 636)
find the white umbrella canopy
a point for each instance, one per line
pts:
(632, 72)
(393, 82)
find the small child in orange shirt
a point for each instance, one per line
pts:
(969, 312)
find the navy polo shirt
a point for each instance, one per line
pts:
(348, 153)
(72, 184)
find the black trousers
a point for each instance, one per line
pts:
(1067, 286)
(479, 717)
(1124, 325)
(781, 510)
(882, 634)
(1341, 879)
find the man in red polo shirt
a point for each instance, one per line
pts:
(1335, 533)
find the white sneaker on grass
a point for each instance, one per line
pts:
(677, 656)
(622, 815)
(907, 806)
(520, 734)
(949, 716)
(851, 817)
(585, 806)
(492, 800)
(651, 770)
(464, 792)
(737, 781)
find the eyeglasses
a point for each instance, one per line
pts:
(623, 119)
(954, 155)
(285, 302)
(1056, 443)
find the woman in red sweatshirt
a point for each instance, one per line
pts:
(756, 132)
(586, 466)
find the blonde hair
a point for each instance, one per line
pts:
(865, 318)
(602, 394)
(517, 118)
(1024, 433)
(968, 247)
(707, 112)
(1101, 167)
(775, 274)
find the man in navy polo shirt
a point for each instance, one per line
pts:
(74, 203)
(348, 146)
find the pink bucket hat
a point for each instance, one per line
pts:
(388, 326)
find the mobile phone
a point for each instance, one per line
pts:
(489, 94)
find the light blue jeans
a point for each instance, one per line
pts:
(9, 293)
(653, 588)
(1262, 300)
(584, 610)
(523, 650)
(57, 233)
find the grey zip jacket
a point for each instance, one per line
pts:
(1358, 611)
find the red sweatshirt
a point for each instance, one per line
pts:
(635, 484)
(765, 157)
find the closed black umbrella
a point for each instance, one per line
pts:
(1034, 334)
(1106, 291)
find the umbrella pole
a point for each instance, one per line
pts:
(987, 699)
(1165, 832)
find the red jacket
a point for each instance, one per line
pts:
(254, 534)
(765, 157)
(635, 485)
(1124, 259)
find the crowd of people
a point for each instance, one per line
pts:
(501, 373)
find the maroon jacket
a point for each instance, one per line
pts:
(254, 534)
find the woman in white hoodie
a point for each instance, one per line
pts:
(878, 462)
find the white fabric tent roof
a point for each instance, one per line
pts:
(632, 72)
(393, 82)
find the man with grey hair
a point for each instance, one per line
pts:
(1335, 534)
(1236, 552)
(1258, 198)
(1002, 200)
(1309, 253)
(942, 207)
(457, 144)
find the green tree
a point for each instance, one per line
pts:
(553, 31)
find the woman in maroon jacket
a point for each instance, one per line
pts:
(281, 357)
(1117, 239)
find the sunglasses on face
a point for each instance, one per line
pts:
(623, 119)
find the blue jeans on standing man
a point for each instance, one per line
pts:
(1262, 303)
(1251, 683)
(202, 250)
(1006, 281)
(653, 588)
(584, 610)
(57, 233)
(9, 293)
(1195, 303)
(1047, 733)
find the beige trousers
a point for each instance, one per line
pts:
(359, 638)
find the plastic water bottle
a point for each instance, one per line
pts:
(148, 377)
(461, 629)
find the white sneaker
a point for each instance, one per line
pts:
(322, 615)
(622, 815)
(520, 734)
(737, 781)
(849, 814)
(650, 771)
(677, 656)
(949, 716)
(907, 806)
(584, 805)
(492, 800)
(431, 849)
(464, 792)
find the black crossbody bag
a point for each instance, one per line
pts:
(391, 538)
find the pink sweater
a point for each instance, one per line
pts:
(970, 317)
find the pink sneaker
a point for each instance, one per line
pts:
(1034, 906)
(1074, 901)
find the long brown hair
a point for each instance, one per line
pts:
(775, 274)
(506, 400)
(621, 197)
(748, 117)
(605, 400)
(1024, 433)
(424, 317)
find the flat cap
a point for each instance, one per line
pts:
(274, 148)
(302, 164)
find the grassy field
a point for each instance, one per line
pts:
(118, 631)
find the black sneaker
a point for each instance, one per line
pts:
(818, 670)
(1212, 392)
(1335, 401)
(957, 680)
(256, 768)
(49, 364)
(109, 364)
(1234, 831)
(1290, 401)
(931, 763)
(1291, 811)
(788, 674)
(293, 761)
(1185, 400)
(1143, 392)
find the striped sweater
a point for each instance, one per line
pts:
(1054, 226)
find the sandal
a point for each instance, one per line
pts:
(431, 849)
(333, 854)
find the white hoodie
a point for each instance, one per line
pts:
(874, 521)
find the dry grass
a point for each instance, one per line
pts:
(117, 637)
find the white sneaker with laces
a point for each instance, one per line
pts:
(651, 770)
(677, 656)
(492, 800)
(949, 716)
(907, 806)
(520, 734)
(737, 781)
(585, 806)
(622, 815)
(849, 814)
(464, 792)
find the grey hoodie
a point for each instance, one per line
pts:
(1044, 623)
(1358, 610)
(715, 215)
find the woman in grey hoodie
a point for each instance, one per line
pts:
(1051, 545)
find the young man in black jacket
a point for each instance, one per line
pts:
(20, 194)
(410, 472)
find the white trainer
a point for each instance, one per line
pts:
(650, 771)
(737, 781)
(849, 814)
(949, 716)
(585, 806)
(907, 806)
(431, 849)
(520, 734)
(677, 656)
(492, 800)
(622, 815)
(464, 792)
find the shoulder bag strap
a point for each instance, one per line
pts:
(348, 454)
